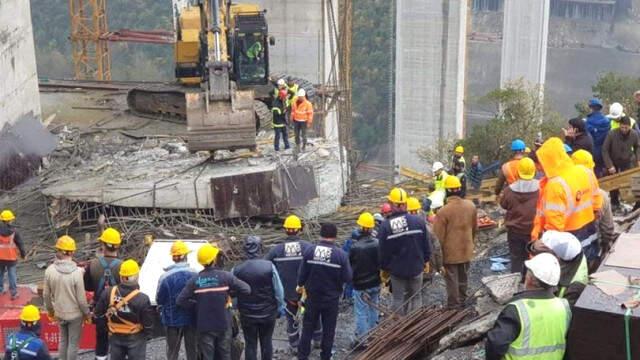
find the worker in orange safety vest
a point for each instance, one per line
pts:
(569, 198)
(301, 117)
(509, 171)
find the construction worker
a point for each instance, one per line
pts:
(439, 175)
(10, 249)
(458, 164)
(287, 257)
(475, 173)
(519, 200)
(208, 294)
(606, 227)
(179, 323)
(302, 117)
(509, 171)
(569, 199)
(292, 90)
(404, 253)
(455, 227)
(576, 135)
(574, 271)
(279, 122)
(616, 113)
(100, 274)
(385, 210)
(65, 298)
(598, 126)
(128, 313)
(324, 270)
(25, 344)
(260, 309)
(413, 205)
(621, 152)
(365, 262)
(534, 324)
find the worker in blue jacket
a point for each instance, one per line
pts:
(209, 294)
(26, 343)
(404, 253)
(324, 271)
(598, 125)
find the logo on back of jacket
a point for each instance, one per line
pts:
(399, 225)
(207, 282)
(322, 253)
(292, 249)
(125, 308)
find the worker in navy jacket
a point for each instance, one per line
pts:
(324, 270)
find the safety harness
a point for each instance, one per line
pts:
(15, 348)
(123, 326)
(107, 280)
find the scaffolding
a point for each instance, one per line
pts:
(90, 52)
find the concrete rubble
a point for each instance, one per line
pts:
(469, 333)
(502, 287)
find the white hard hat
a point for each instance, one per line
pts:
(437, 166)
(616, 111)
(281, 82)
(565, 245)
(378, 217)
(545, 267)
(302, 93)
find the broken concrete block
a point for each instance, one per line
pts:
(467, 333)
(502, 287)
(485, 303)
(324, 153)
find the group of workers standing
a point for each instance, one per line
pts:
(290, 108)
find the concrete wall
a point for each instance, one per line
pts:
(430, 62)
(524, 45)
(19, 95)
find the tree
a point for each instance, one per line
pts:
(612, 87)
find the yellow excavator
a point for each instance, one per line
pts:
(222, 65)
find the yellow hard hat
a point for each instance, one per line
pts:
(452, 182)
(292, 222)
(111, 236)
(527, 150)
(584, 158)
(129, 268)
(207, 254)
(397, 196)
(526, 169)
(179, 248)
(66, 243)
(30, 313)
(413, 204)
(7, 215)
(366, 220)
(459, 149)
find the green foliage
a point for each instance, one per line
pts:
(51, 27)
(371, 60)
(612, 87)
(520, 114)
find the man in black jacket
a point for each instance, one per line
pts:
(324, 271)
(279, 123)
(365, 263)
(259, 310)
(404, 253)
(209, 293)
(129, 315)
(287, 257)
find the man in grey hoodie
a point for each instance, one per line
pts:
(64, 297)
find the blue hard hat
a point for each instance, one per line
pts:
(595, 102)
(518, 145)
(568, 149)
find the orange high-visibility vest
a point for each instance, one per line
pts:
(302, 111)
(8, 248)
(510, 171)
(116, 324)
(538, 221)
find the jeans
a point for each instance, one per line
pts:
(365, 314)
(13, 278)
(316, 311)
(278, 133)
(70, 331)
(456, 278)
(517, 250)
(293, 326)
(215, 345)
(175, 336)
(130, 347)
(407, 294)
(300, 130)
(254, 331)
(102, 337)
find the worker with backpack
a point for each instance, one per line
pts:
(102, 273)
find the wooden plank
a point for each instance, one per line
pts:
(618, 181)
(413, 174)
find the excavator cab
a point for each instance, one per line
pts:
(250, 49)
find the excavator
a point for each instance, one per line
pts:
(222, 65)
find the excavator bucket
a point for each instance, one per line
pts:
(220, 124)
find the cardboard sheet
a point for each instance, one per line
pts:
(626, 252)
(607, 282)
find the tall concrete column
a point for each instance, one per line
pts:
(430, 75)
(524, 44)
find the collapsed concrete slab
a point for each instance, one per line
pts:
(502, 287)
(469, 332)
